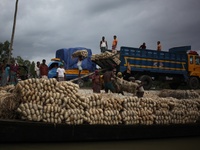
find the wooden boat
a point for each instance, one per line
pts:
(26, 131)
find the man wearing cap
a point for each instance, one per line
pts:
(61, 73)
(117, 85)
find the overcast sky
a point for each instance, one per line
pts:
(43, 26)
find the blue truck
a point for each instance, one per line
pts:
(180, 66)
(64, 56)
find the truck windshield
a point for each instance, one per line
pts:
(197, 60)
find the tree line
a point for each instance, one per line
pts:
(4, 55)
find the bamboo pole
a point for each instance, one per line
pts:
(13, 31)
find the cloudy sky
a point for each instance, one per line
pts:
(43, 26)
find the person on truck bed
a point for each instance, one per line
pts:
(159, 48)
(143, 46)
(103, 45)
(114, 44)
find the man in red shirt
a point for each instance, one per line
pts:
(44, 69)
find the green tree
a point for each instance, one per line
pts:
(32, 69)
(4, 50)
(4, 54)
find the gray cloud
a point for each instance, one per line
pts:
(45, 26)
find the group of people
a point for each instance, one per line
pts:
(104, 44)
(41, 70)
(159, 48)
(108, 79)
(9, 73)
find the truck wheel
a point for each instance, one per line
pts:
(147, 81)
(80, 83)
(193, 83)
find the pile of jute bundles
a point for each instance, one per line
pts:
(106, 54)
(169, 110)
(50, 101)
(138, 110)
(8, 102)
(103, 109)
(185, 111)
(78, 53)
(47, 100)
(174, 111)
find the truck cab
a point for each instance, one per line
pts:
(193, 69)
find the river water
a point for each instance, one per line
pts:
(191, 143)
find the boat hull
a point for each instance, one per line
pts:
(24, 131)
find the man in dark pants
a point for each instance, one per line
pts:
(107, 78)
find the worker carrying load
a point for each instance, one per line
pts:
(81, 54)
(117, 85)
(139, 89)
(130, 87)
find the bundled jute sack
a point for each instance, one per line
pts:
(105, 55)
(78, 53)
(179, 94)
(9, 102)
(127, 86)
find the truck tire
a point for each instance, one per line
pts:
(147, 81)
(193, 83)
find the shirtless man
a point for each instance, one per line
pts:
(107, 78)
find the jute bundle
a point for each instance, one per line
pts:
(126, 85)
(8, 88)
(8, 105)
(78, 53)
(106, 55)
(179, 94)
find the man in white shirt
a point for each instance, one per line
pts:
(61, 73)
(37, 69)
